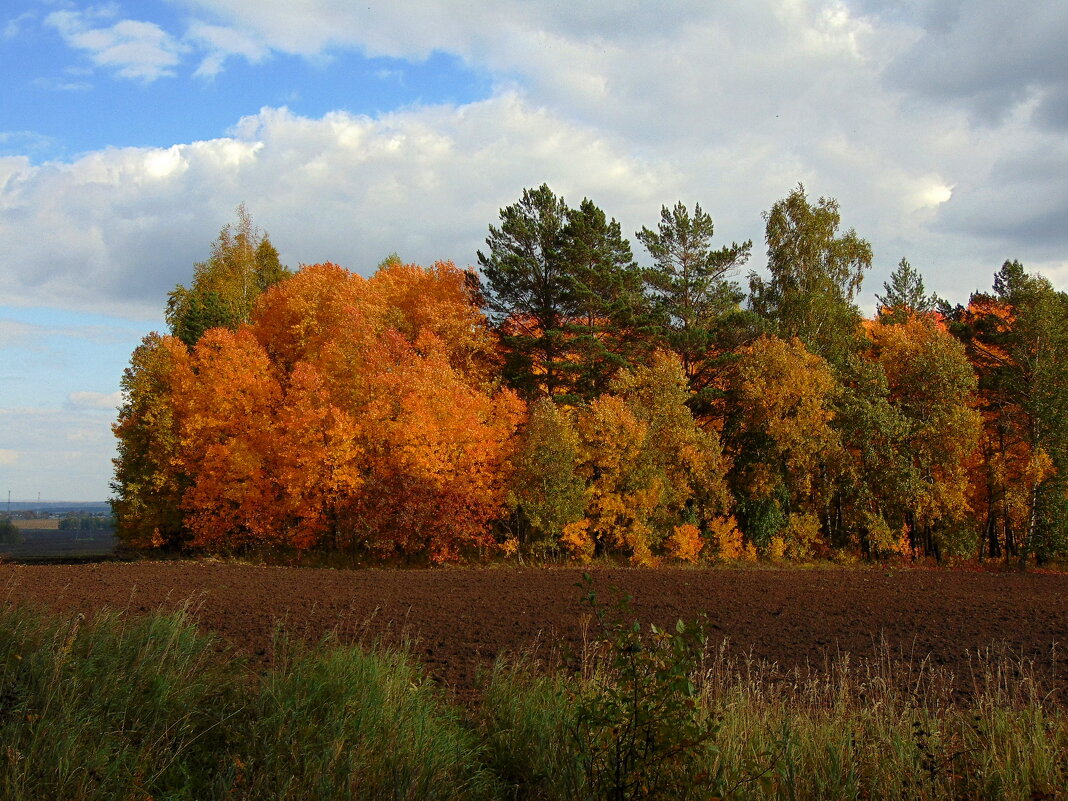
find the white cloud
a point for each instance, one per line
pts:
(117, 229)
(635, 105)
(134, 49)
(221, 43)
(8, 456)
(13, 27)
(95, 400)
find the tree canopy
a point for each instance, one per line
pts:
(571, 403)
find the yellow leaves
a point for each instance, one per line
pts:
(621, 489)
(577, 541)
(932, 383)
(802, 537)
(785, 397)
(726, 539)
(685, 543)
(786, 391)
(645, 462)
(148, 482)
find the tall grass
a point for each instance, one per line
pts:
(336, 723)
(888, 727)
(150, 708)
(116, 707)
(110, 707)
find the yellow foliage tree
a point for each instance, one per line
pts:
(782, 436)
(647, 465)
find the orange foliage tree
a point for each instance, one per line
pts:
(349, 413)
(225, 399)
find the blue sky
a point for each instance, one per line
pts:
(130, 131)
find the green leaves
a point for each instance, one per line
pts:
(565, 293)
(641, 730)
(243, 265)
(815, 275)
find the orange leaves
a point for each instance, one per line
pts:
(350, 414)
(311, 315)
(437, 451)
(225, 399)
(319, 459)
(685, 543)
(435, 305)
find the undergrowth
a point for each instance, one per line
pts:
(138, 708)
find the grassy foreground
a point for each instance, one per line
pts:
(117, 707)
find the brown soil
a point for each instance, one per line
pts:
(458, 620)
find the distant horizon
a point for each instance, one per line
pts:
(43, 502)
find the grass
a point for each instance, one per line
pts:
(116, 707)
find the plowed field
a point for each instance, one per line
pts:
(458, 620)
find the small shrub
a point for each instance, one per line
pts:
(9, 533)
(685, 543)
(727, 538)
(640, 730)
(577, 541)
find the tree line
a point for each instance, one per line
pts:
(565, 401)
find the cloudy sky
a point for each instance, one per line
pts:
(130, 131)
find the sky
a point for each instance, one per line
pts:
(130, 132)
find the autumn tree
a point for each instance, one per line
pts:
(931, 383)
(815, 274)
(225, 398)
(783, 443)
(546, 493)
(442, 301)
(321, 315)
(148, 486)
(648, 468)
(243, 264)
(438, 451)
(1017, 339)
(318, 462)
(399, 362)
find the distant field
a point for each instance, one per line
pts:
(37, 525)
(47, 543)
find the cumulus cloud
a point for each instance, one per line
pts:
(728, 104)
(990, 56)
(134, 49)
(121, 227)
